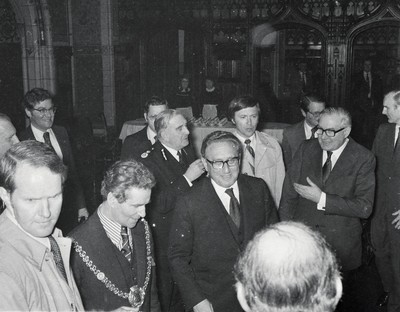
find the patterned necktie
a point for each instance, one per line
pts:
(234, 208)
(126, 248)
(327, 168)
(250, 151)
(46, 138)
(55, 249)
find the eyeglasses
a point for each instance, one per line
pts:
(329, 132)
(316, 114)
(43, 111)
(219, 164)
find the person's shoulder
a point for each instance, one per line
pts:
(294, 129)
(359, 150)
(84, 230)
(26, 134)
(268, 140)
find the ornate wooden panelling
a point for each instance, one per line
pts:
(8, 29)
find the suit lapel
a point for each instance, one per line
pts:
(62, 141)
(315, 163)
(140, 252)
(261, 149)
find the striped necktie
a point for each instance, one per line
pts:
(327, 168)
(126, 248)
(252, 155)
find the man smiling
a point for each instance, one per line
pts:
(330, 186)
(212, 224)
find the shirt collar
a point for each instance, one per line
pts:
(220, 190)
(173, 152)
(150, 135)
(242, 138)
(39, 133)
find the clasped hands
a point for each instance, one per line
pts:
(311, 191)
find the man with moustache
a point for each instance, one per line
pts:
(140, 142)
(213, 222)
(385, 223)
(34, 265)
(40, 109)
(114, 245)
(173, 163)
(330, 187)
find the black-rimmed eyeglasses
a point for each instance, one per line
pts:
(219, 164)
(329, 132)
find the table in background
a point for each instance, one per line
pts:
(198, 132)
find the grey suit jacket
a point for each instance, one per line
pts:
(293, 136)
(349, 197)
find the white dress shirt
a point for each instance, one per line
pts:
(225, 198)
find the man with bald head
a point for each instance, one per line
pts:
(267, 272)
(8, 136)
(385, 225)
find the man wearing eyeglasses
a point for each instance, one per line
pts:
(330, 186)
(311, 107)
(40, 109)
(212, 224)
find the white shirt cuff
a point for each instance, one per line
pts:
(322, 202)
(190, 183)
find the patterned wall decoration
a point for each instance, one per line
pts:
(8, 29)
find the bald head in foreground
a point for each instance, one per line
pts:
(285, 268)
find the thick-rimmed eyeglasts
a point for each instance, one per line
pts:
(329, 132)
(43, 111)
(219, 164)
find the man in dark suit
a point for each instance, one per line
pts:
(212, 224)
(330, 186)
(140, 142)
(40, 110)
(385, 224)
(367, 103)
(175, 167)
(117, 240)
(311, 107)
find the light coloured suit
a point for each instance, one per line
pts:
(268, 164)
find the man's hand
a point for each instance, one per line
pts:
(396, 220)
(311, 192)
(83, 213)
(195, 170)
(203, 306)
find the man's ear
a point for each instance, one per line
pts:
(28, 113)
(111, 199)
(204, 161)
(5, 196)
(241, 297)
(347, 131)
(339, 289)
(303, 113)
(145, 117)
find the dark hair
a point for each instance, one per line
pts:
(240, 103)
(154, 101)
(306, 100)
(32, 153)
(288, 267)
(221, 136)
(35, 96)
(123, 175)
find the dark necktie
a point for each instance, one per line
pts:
(327, 168)
(313, 130)
(46, 138)
(182, 158)
(396, 144)
(55, 249)
(250, 150)
(234, 208)
(126, 248)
